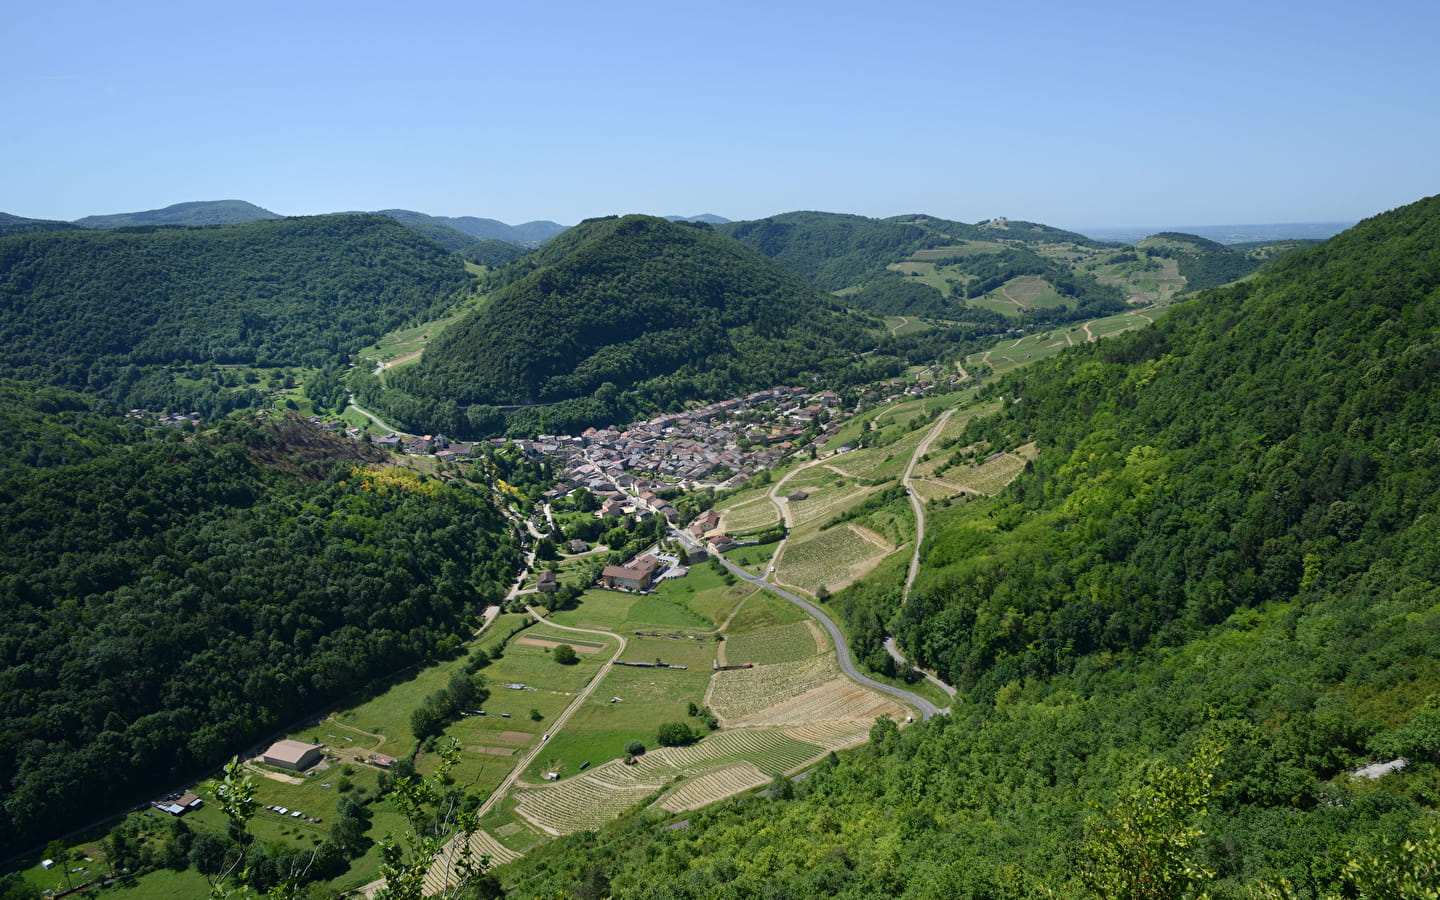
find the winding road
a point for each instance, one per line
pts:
(842, 647)
(371, 416)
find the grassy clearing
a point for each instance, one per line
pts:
(407, 341)
(762, 611)
(754, 559)
(604, 610)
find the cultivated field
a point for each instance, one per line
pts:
(714, 785)
(743, 692)
(1012, 354)
(836, 708)
(986, 479)
(832, 559)
(785, 643)
(824, 502)
(751, 515)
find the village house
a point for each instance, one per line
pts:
(637, 576)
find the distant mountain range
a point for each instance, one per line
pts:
(200, 212)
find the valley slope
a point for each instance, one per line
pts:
(1227, 539)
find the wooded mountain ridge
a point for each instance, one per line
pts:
(622, 315)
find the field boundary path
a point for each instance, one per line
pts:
(439, 875)
(919, 506)
(916, 503)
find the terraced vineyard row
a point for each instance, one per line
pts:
(740, 692)
(714, 785)
(832, 734)
(579, 803)
(787, 643)
(767, 748)
(482, 843)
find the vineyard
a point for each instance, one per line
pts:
(829, 559)
(592, 799)
(787, 643)
(770, 750)
(752, 515)
(838, 700)
(714, 785)
(824, 503)
(588, 801)
(742, 692)
(833, 734)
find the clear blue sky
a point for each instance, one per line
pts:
(1074, 114)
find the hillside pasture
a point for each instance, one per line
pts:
(762, 610)
(903, 325)
(647, 698)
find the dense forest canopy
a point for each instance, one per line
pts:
(639, 306)
(167, 601)
(1228, 541)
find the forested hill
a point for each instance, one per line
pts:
(621, 315)
(1229, 539)
(829, 250)
(91, 309)
(10, 224)
(199, 212)
(167, 601)
(1203, 262)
